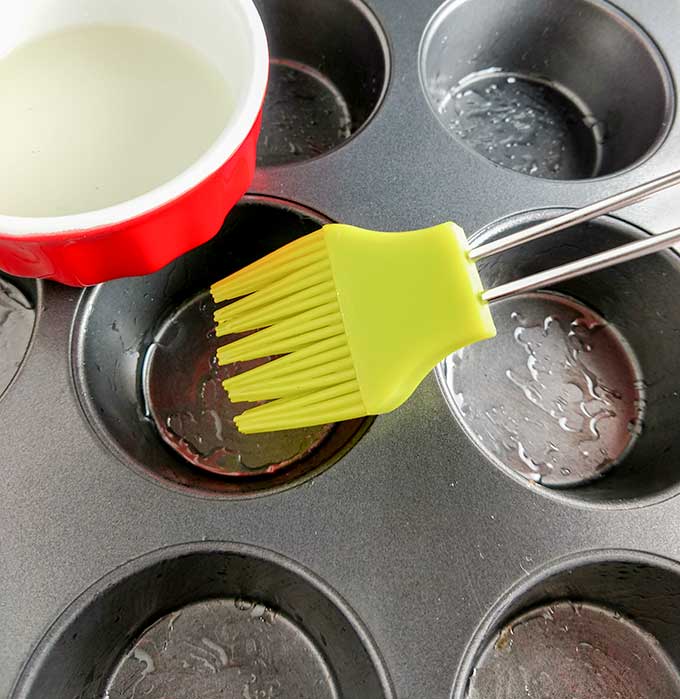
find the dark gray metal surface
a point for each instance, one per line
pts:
(414, 528)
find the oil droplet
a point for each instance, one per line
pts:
(304, 115)
(557, 396)
(212, 649)
(562, 652)
(525, 123)
(184, 396)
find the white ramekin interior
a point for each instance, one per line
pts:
(229, 33)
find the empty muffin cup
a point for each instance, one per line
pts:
(598, 626)
(143, 354)
(18, 302)
(580, 390)
(206, 620)
(328, 73)
(523, 84)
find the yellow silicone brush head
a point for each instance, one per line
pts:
(358, 317)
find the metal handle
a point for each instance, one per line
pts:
(608, 258)
(571, 218)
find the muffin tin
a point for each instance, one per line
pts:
(147, 548)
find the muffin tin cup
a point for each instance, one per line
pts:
(521, 83)
(577, 395)
(143, 358)
(597, 624)
(222, 619)
(20, 301)
(328, 74)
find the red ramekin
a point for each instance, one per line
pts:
(143, 234)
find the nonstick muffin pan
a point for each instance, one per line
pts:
(510, 531)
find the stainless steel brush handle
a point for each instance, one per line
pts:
(571, 218)
(608, 258)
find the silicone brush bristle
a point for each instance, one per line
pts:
(277, 265)
(289, 298)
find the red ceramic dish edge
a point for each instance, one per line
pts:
(140, 245)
